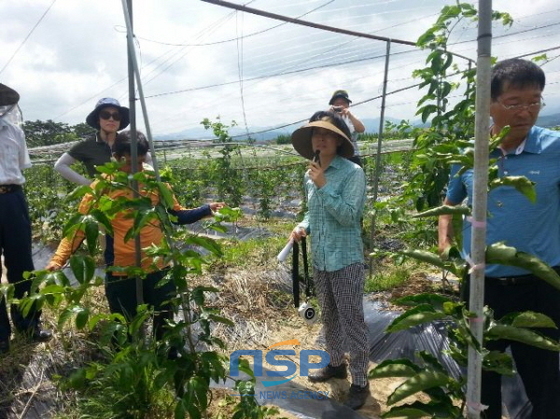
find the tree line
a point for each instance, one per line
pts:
(41, 133)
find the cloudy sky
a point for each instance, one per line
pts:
(199, 60)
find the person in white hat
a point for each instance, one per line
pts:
(15, 226)
(108, 117)
(336, 193)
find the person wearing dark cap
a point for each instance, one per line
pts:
(15, 226)
(108, 117)
(340, 103)
(336, 193)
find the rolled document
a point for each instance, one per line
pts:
(285, 251)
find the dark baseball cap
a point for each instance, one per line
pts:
(339, 93)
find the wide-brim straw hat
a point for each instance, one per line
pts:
(93, 118)
(8, 96)
(301, 139)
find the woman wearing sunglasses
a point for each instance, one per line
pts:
(108, 117)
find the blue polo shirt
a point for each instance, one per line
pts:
(529, 227)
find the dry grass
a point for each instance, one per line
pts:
(261, 302)
(30, 370)
(257, 299)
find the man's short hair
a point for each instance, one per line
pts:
(517, 73)
(123, 144)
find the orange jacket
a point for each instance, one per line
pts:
(118, 252)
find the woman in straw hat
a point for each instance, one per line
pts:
(108, 117)
(336, 192)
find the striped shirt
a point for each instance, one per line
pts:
(334, 213)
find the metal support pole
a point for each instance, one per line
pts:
(135, 70)
(133, 141)
(378, 154)
(478, 244)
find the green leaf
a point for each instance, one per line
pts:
(200, 389)
(64, 316)
(422, 410)
(197, 296)
(528, 319)
(444, 210)
(220, 319)
(180, 410)
(431, 361)
(206, 243)
(92, 233)
(426, 111)
(72, 225)
(141, 218)
(426, 37)
(395, 368)
(448, 60)
(424, 256)
(246, 368)
(499, 362)
(162, 378)
(499, 253)
(501, 331)
(434, 85)
(82, 317)
(435, 300)
(94, 320)
(102, 219)
(420, 382)
(418, 315)
(521, 183)
(83, 268)
(166, 195)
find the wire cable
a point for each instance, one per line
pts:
(27, 37)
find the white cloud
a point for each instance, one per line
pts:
(77, 54)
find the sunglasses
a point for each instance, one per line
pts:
(107, 115)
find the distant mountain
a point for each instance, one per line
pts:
(257, 133)
(549, 120)
(265, 134)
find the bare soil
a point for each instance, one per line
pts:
(256, 298)
(269, 317)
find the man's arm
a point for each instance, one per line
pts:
(189, 216)
(359, 127)
(445, 229)
(65, 249)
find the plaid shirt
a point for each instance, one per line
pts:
(333, 218)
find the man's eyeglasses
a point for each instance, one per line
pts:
(535, 106)
(107, 115)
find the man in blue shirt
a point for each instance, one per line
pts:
(534, 228)
(336, 189)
